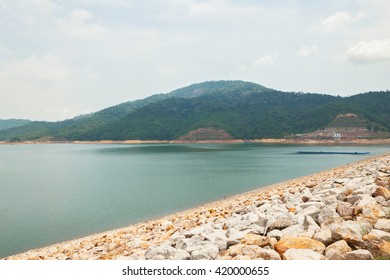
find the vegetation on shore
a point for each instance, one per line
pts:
(244, 110)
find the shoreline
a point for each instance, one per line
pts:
(136, 240)
(232, 141)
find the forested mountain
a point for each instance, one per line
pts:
(5, 124)
(244, 110)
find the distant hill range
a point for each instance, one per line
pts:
(10, 123)
(218, 110)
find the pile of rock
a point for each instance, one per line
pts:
(343, 213)
(337, 219)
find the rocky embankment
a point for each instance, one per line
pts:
(340, 214)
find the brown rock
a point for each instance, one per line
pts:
(382, 191)
(299, 243)
(255, 239)
(379, 248)
(382, 181)
(373, 213)
(345, 209)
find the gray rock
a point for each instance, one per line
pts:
(218, 236)
(254, 228)
(312, 211)
(350, 235)
(194, 231)
(293, 231)
(253, 252)
(209, 252)
(166, 252)
(246, 210)
(386, 203)
(268, 254)
(333, 254)
(279, 222)
(237, 222)
(366, 200)
(380, 199)
(251, 217)
(324, 236)
(383, 224)
(309, 222)
(278, 209)
(261, 221)
(328, 216)
(275, 234)
(330, 199)
(345, 209)
(191, 244)
(360, 254)
(302, 254)
(340, 246)
(234, 236)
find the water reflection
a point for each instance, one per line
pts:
(161, 149)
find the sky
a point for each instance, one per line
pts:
(60, 59)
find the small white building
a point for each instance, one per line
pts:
(336, 136)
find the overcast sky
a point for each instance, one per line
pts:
(59, 59)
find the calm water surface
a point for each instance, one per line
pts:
(57, 192)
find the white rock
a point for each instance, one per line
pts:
(302, 254)
(383, 224)
(359, 255)
(209, 252)
(166, 252)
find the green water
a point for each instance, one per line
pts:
(57, 192)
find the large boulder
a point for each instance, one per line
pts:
(340, 246)
(382, 191)
(379, 248)
(360, 254)
(299, 243)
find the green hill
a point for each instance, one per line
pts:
(244, 110)
(10, 123)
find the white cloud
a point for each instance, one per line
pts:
(48, 68)
(45, 6)
(264, 60)
(308, 50)
(39, 82)
(339, 20)
(368, 52)
(28, 12)
(218, 7)
(81, 24)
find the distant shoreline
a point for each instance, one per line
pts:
(230, 141)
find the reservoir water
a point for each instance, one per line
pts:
(57, 192)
